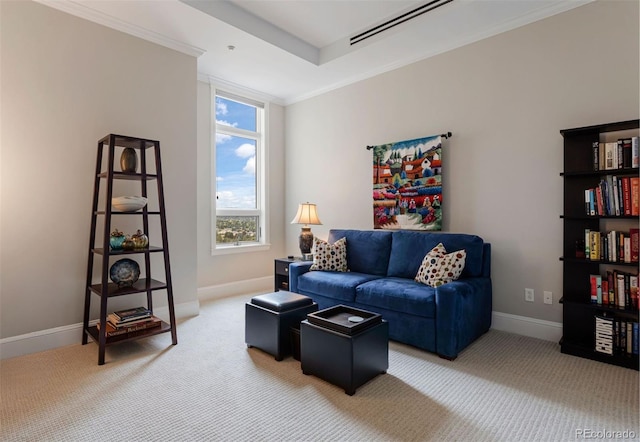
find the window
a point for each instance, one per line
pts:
(238, 156)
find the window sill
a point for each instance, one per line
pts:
(243, 248)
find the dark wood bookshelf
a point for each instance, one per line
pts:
(579, 174)
(99, 242)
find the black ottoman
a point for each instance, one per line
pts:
(269, 319)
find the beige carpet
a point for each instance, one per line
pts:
(211, 387)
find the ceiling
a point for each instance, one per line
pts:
(289, 50)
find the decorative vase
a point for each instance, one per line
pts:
(128, 243)
(129, 160)
(124, 272)
(116, 240)
(140, 240)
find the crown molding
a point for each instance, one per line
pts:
(83, 11)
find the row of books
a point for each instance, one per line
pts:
(614, 196)
(612, 246)
(615, 289)
(130, 321)
(620, 154)
(616, 336)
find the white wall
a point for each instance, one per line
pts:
(67, 82)
(505, 99)
(223, 275)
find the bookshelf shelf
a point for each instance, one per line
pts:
(99, 243)
(584, 170)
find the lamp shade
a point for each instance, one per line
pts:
(306, 215)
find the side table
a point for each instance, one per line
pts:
(346, 355)
(281, 272)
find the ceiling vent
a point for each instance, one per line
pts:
(398, 20)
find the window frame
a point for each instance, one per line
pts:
(260, 136)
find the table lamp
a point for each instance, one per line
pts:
(306, 215)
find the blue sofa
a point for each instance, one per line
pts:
(382, 265)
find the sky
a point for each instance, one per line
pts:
(235, 157)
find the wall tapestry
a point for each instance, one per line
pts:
(407, 184)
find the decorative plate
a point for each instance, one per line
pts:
(124, 272)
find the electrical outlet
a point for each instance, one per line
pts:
(528, 295)
(548, 297)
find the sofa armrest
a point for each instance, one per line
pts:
(463, 313)
(296, 269)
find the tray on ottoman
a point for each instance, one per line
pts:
(344, 319)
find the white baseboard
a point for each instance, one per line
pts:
(72, 334)
(246, 287)
(523, 325)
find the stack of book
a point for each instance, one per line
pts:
(621, 154)
(616, 336)
(129, 321)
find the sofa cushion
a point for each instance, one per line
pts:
(408, 249)
(330, 256)
(367, 250)
(439, 267)
(398, 295)
(337, 285)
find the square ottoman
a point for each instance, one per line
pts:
(269, 319)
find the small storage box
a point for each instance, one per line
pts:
(269, 319)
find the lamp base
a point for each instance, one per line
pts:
(306, 241)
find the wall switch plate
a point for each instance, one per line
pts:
(528, 295)
(548, 297)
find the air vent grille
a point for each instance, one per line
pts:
(398, 20)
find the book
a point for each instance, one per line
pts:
(616, 197)
(627, 249)
(605, 291)
(620, 290)
(634, 240)
(633, 291)
(619, 158)
(594, 248)
(596, 155)
(626, 195)
(596, 289)
(610, 155)
(612, 288)
(636, 335)
(604, 335)
(635, 195)
(587, 243)
(626, 152)
(113, 320)
(117, 331)
(136, 312)
(587, 199)
(635, 159)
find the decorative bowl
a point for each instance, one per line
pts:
(124, 272)
(128, 203)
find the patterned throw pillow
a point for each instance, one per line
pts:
(439, 268)
(332, 257)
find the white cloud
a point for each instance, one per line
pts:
(250, 166)
(241, 198)
(222, 138)
(246, 150)
(221, 108)
(226, 123)
(219, 178)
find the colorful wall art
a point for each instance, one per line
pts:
(407, 184)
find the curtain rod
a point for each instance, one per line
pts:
(447, 135)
